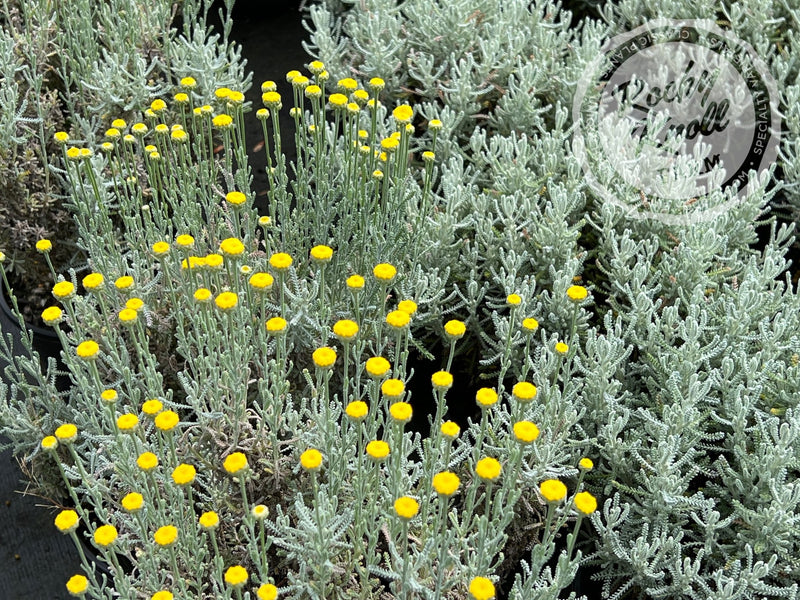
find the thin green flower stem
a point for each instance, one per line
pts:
(78, 508)
(548, 523)
(441, 527)
(559, 360)
(217, 556)
(373, 131)
(398, 357)
(97, 498)
(406, 593)
(481, 433)
(505, 363)
(50, 265)
(573, 538)
(226, 142)
(381, 319)
(87, 566)
(346, 378)
(176, 573)
(243, 490)
(526, 364)
(452, 353)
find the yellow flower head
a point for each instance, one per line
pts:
(209, 520)
(49, 442)
(514, 300)
(272, 100)
(576, 293)
(398, 319)
(311, 459)
(226, 300)
(428, 156)
(524, 391)
(52, 315)
(166, 535)
(403, 113)
(392, 388)
(280, 261)
(133, 502)
(337, 100)
(486, 397)
(562, 348)
(147, 461)
(406, 507)
(152, 407)
(435, 124)
(160, 248)
(261, 282)
(378, 450)
(184, 474)
(109, 396)
(236, 576)
(586, 464)
(181, 98)
(553, 490)
(222, 121)
(162, 128)
(357, 410)
(235, 198)
(450, 430)
(316, 67)
(235, 97)
(213, 261)
(291, 75)
(376, 84)
(267, 591)
(66, 433)
(185, 241)
(390, 144)
(455, 329)
(63, 290)
(188, 82)
(347, 84)
(401, 412)
(235, 463)
(321, 254)
(384, 272)
(530, 325)
(62, 137)
(128, 316)
(44, 245)
(407, 306)
(276, 325)
(127, 422)
(93, 281)
(268, 86)
(345, 329)
(442, 380)
(324, 357)
(67, 521)
(167, 420)
(231, 247)
(202, 294)
(123, 283)
(585, 502)
(525, 432)
(139, 128)
(259, 512)
(481, 588)
(355, 282)
(488, 469)
(87, 350)
(77, 585)
(222, 92)
(446, 483)
(105, 535)
(162, 595)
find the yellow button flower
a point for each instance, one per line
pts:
(446, 483)
(553, 490)
(530, 325)
(67, 521)
(202, 295)
(93, 281)
(280, 261)
(105, 535)
(276, 325)
(128, 316)
(407, 306)
(401, 412)
(123, 283)
(152, 407)
(406, 507)
(272, 100)
(259, 512)
(376, 84)
(585, 502)
(185, 241)
(167, 420)
(357, 410)
(455, 329)
(514, 299)
(222, 121)
(235, 198)
(338, 100)
(184, 474)
(166, 535)
(324, 357)
(44, 246)
(109, 396)
(481, 588)
(384, 272)
(127, 422)
(52, 315)
(267, 591)
(132, 502)
(392, 388)
(236, 576)
(77, 585)
(576, 293)
(147, 461)
(261, 282)
(213, 261)
(49, 442)
(235, 463)
(162, 595)
(321, 254)
(134, 304)
(231, 247)
(450, 430)
(311, 459)
(345, 329)
(209, 520)
(378, 450)
(63, 290)
(355, 282)
(398, 319)
(586, 464)
(562, 348)
(488, 469)
(524, 391)
(67, 432)
(486, 397)
(442, 380)
(62, 137)
(226, 301)
(378, 367)
(525, 432)
(403, 113)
